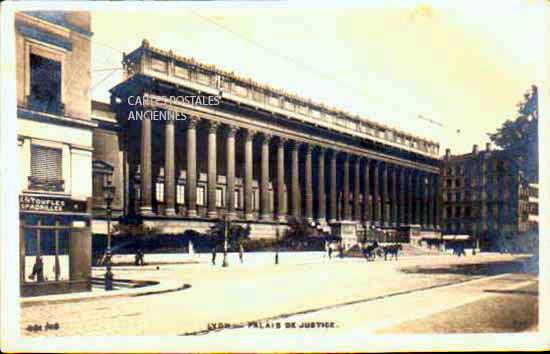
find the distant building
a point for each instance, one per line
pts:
(54, 138)
(484, 195)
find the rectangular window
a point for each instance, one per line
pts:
(201, 197)
(45, 85)
(237, 199)
(219, 197)
(254, 200)
(180, 194)
(46, 173)
(159, 190)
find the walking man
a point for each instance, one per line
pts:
(214, 255)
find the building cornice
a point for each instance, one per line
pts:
(24, 113)
(136, 56)
(47, 16)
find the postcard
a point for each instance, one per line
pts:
(273, 176)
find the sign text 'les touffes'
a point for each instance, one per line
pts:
(52, 204)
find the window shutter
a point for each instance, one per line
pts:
(46, 163)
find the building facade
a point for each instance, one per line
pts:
(54, 131)
(233, 147)
(484, 195)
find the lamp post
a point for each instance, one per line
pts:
(225, 232)
(277, 241)
(108, 195)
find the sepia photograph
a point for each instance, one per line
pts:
(279, 176)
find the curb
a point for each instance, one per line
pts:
(161, 288)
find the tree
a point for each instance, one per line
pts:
(297, 233)
(216, 234)
(140, 233)
(238, 234)
(519, 137)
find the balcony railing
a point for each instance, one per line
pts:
(50, 185)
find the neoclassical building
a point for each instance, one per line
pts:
(254, 153)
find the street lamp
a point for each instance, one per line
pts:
(108, 195)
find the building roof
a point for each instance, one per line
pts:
(145, 46)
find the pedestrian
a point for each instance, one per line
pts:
(214, 255)
(330, 251)
(141, 257)
(241, 251)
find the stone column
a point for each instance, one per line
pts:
(357, 189)
(145, 178)
(431, 195)
(425, 203)
(385, 194)
(366, 193)
(230, 191)
(248, 207)
(410, 198)
(212, 170)
(436, 202)
(376, 202)
(295, 182)
(308, 185)
(402, 220)
(418, 206)
(264, 179)
(322, 199)
(169, 169)
(191, 184)
(394, 215)
(333, 194)
(281, 212)
(345, 199)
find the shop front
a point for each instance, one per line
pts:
(55, 245)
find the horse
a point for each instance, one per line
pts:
(370, 251)
(392, 250)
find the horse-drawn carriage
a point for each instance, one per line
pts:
(374, 250)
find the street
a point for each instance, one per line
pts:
(418, 294)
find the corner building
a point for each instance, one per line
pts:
(260, 156)
(485, 195)
(54, 138)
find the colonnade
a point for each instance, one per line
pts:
(359, 188)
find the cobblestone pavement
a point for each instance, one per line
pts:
(242, 293)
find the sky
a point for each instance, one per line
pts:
(461, 65)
